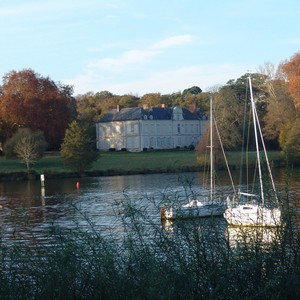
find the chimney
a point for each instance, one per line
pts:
(119, 107)
(193, 108)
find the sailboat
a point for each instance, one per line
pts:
(199, 208)
(250, 209)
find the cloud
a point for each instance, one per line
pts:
(165, 82)
(137, 57)
(125, 60)
(133, 72)
(173, 41)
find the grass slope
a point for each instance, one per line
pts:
(113, 163)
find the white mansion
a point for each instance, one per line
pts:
(136, 129)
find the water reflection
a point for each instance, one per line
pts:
(60, 201)
(253, 238)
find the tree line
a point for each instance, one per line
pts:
(38, 106)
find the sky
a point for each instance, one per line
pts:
(146, 46)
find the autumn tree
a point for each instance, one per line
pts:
(195, 102)
(152, 100)
(280, 109)
(88, 109)
(291, 68)
(91, 106)
(30, 100)
(203, 148)
(230, 104)
(78, 150)
(129, 101)
(26, 145)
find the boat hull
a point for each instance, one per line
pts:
(205, 210)
(252, 215)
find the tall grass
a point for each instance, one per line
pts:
(196, 259)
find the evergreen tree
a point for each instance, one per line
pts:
(77, 149)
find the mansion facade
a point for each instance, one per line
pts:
(137, 129)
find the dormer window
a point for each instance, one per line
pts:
(177, 114)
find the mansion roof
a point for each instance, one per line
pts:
(154, 113)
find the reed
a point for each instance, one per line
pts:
(196, 259)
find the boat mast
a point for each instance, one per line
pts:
(255, 120)
(266, 157)
(211, 151)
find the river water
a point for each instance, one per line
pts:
(102, 201)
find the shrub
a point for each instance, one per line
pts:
(195, 259)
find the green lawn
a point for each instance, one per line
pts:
(160, 161)
(146, 160)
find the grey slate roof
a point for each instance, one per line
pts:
(138, 113)
(125, 114)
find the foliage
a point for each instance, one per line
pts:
(194, 90)
(129, 101)
(77, 149)
(204, 144)
(26, 145)
(290, 141)
(239, 86)
(147, 259)
(29, 100)
(229, 114)
(151, 100)
(292, 70)
(88, 109)
(280, 111)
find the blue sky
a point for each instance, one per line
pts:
(146, 46)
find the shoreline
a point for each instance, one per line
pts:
(50, 174)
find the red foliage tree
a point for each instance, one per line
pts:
(29, 100)
(292, 70)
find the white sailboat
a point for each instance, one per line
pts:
(250, 209)
(199, 208)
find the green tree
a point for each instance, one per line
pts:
(129, 101)
(229, 114)
(290, 141)
(90, 107)
(26, 145)
(229, 107)
(152, 100)
(194, 90)
(78, 150)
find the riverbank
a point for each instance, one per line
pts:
(122, 163)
